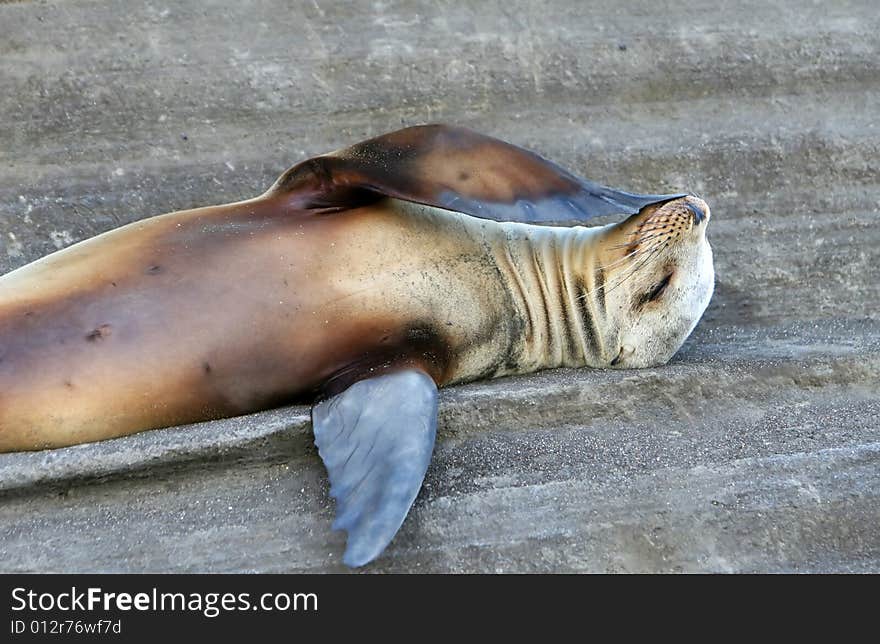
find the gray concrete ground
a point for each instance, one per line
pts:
(756, 449)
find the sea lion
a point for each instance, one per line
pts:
(361, 281)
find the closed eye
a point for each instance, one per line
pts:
(656, 291)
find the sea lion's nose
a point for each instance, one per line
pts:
(699, 208)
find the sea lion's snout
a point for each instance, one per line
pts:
(698, 208)
(658, 267)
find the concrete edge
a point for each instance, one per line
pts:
(174, 446)
(506, 404)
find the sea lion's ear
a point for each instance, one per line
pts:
(457, 169)
(376, 439)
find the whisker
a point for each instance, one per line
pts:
(622, 259)
(605, 267)
(651, 255)
(644, 239)
(642, 231)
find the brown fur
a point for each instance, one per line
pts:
(226, 310)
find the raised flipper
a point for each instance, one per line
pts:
(457, 169)
(376, 440)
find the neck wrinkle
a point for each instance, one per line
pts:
(569, 264)
(584, 263)
(552, 287)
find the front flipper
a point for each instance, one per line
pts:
(456, 169)
(376, 440)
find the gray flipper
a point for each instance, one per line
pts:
(457, 169)
(376, 440)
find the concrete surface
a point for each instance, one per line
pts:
(757, 449)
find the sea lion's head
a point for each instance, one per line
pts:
(657, 278)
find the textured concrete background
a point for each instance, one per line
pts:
(757, 449)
